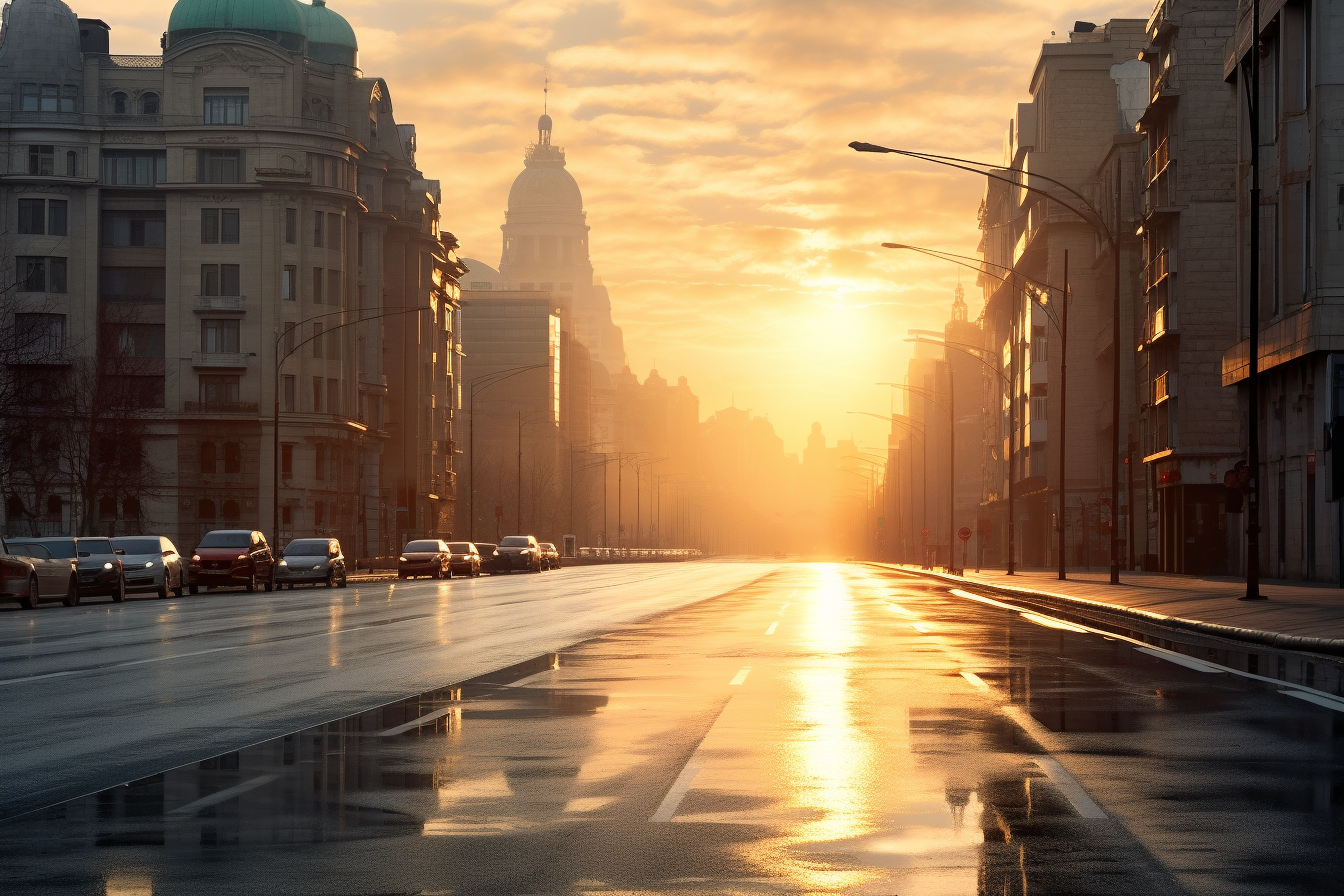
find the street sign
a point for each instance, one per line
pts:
(924, 532)
(964, 533)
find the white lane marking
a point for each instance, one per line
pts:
(1181, 659)
(1051, 622)
(1038, 732)
(1318, 699)
(1069, 786)
(897, 608)
(921, 628)
(787, 604)
(668, 807)
(222, 796)
(741, 675)
(416, 723)
(771, 629)
(976, 681)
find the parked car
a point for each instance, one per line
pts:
(311, 560)
(152, 563)
(550, 556)
(29, 574)
(520, 552)
(491, 561)
(463, 559)
(231, 557)
(97, 563)
(424, 557)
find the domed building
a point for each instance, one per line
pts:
(210, 313)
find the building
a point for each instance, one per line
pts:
(1301, 284)
(1188, 425)
(208, 240)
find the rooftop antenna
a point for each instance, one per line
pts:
(546, 92)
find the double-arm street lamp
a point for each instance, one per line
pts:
(1094, 219)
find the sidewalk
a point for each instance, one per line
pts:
(1299, 610)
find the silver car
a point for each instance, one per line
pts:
(312, 560)
(151, 563)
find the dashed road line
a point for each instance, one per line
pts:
(741, 675)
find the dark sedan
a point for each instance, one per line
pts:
(425, 557)
(463, 559)
(520, 552)
(312, 560)
(491, 561)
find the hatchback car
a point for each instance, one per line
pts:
(550, 557)
(234, 557)
(97, 563)
(311, 560)
(491, 561)
(520, 552)
(152, 563)
(29, 574)
(424, 557)
(463, 559)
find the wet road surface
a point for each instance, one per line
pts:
(819, 729)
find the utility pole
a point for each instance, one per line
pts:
(1115, 386)
(1253, 374)
(519, 485)
(1063, 413)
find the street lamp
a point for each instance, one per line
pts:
(486, 380)
(916, 432)
(1094, 219)
(951, 456)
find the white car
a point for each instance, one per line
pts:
(151, 563)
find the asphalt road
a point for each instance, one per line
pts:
(813, 729)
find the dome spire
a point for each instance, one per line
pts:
(544, 122)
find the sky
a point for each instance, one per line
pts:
(738, 234)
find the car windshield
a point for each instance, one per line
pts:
(60, 548)
(138, 545)
(460, 547)
(514, 541)
(96, 547)
(35, 551)
(485, 548)
(422, 547)
(308, 547)
(227, 540)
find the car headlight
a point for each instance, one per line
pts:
(318, 566)
(402, 559)
(107, 566)
(242, 557)
(149, 564)
(283, 563)
(195, 558)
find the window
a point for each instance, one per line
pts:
(287, 518)
(333, 396)
(334, 287)
(219, 166)
(333, 345)
(317, 395)
(317, 286)
(290, 330)
(207, 457)
(41, 159)
(218, 390)
(289, 393)
(233, 457)
(69, 98)
(136, 391)
(220, 280)
(39, 335)
(320, 462)
(28, 98)
(205, 509)
(288, 275)
(335, 239)
(71, 164)
(134, 228)
(134, 167)
(319, 514)
(47, 216)
(227, 106)
(118, 103)
(219, 336)
(149, 104)
(317, 340)
(219, 225)
(329, 171)
(291, 225)
(136, 340)
(231, 511)
(131, 285)
(287, 460)
(39, 274)
(318, 219)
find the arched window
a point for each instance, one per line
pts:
(208, 457)
(320, 461)
(55, 508)
(233, 457)
(231, 510)
(205, 510)
(107, 508)
(71, 164)
(119, 103)
(149, 104)
(130, 508)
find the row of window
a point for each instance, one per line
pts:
(44, 216)
(48, 274)
(217, 390)
(48, 97)
(148, 105)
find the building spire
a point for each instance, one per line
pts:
(544, 122)
(959, 302)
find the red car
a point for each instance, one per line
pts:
(232, 557)
(426, 557)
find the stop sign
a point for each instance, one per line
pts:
(964, 533)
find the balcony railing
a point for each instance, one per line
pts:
(218, 359)
(1157, 269)
(219, 407)
(221, 303)
(1160, 192)
(1157, 162)
(1159, 322)
(1164, 387)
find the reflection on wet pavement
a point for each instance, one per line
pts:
(827, 729)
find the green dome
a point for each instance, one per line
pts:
(330, 37)
(279, 21)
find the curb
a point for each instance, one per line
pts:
(1333, 647)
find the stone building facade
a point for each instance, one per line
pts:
(242, 225)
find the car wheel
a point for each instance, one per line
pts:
(270, 583)
(344, 579)
(29, 601)
(71, 598)
(252, 582)
(181, 584)
(163, 589)
(192, 589)
(331, 578)
(120, 594)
